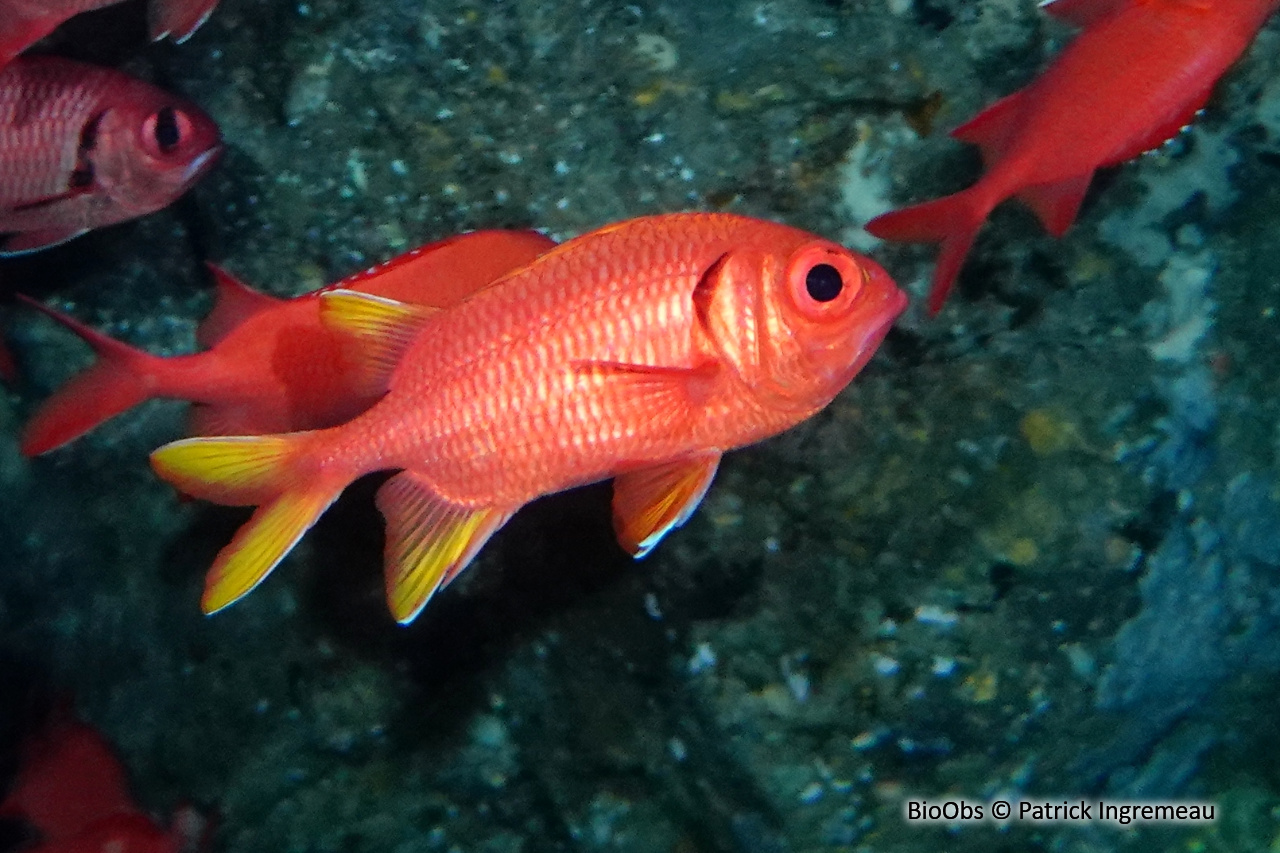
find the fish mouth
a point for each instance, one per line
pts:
(881, 317)
(869, 330)
(201, 163)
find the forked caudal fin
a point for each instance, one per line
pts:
(272, 471)
(952, 221)
(122, 378)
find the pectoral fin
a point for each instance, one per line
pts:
(651, 502)
(429, 540)
(660, 386)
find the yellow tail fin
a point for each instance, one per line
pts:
(268, 470)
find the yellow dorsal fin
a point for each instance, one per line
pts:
(429, 540)
(651, 502)
(384, 327)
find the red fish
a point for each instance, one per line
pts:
(1133, 79)
(82, 147)
(642, 351)
(8, 370)
(72, 790)
(25, 22)
(271, 366)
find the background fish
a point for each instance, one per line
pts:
(271, 366)
(82, 147)
(1133, 79)
(25, 22)
(73, 792)
(641, 351)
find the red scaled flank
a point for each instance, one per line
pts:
(642, 351)
(1136, 76)
(72, 792)
(271, 366)
(25, 22)
(82, 147)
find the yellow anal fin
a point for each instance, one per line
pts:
(384, 327)
(260, 545)
(651, 502)
(429, 540)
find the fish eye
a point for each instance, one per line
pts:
(823, 282)
(824, 279)
(165, 130)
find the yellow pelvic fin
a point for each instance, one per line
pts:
(237, 471)
(384, 327)
(651, 502)
(262, 543)
(429, 540)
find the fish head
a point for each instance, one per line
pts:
(797, 323)
(148, 149)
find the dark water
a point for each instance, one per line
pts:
(1031, 553)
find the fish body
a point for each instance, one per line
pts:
(82, 147)
(642, 351)
(72, 791)
(1136, 75)
(271, 364)
(25, 22)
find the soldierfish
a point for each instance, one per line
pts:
(271, 366)
(25, 22)
(1136, 75)
(71, 789)
(641, 351)
(82, 147)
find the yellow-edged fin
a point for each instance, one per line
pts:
(384, 327)
(265, 470)
(429, 540)
(260, 545)
(236, 471)
(651, 502)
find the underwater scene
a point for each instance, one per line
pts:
(767, 426)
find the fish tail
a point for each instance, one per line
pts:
(8, 367)
(122, 378)
(177, 19)
(953, 221)
(275, 472)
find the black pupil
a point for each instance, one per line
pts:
(823, 282)
(167, 136)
